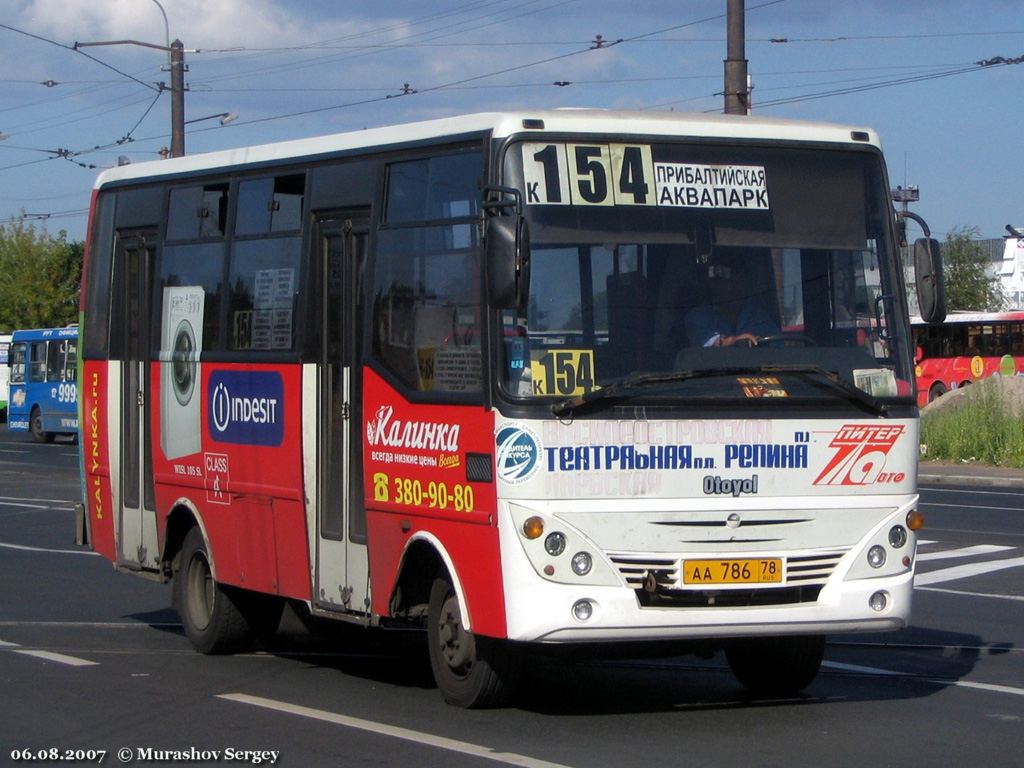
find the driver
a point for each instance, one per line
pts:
(733, 315)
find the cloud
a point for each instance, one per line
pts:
(198, 23)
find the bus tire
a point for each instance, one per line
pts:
(471, 671)
(209, 612)
(938, 390)
(36, 426)
(776, 666)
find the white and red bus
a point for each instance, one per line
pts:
(967, 347)
(443, 375)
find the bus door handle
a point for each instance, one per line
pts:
(140, 398)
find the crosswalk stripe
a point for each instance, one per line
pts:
(964, 571)
(60, 658)
(949, 554)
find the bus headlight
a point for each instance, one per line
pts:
(876, 556)
(554, 544)
(582, 563)
(897, 536)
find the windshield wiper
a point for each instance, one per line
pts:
(853, 394)
(624, 388)
(628, 386)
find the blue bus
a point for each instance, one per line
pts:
(43, 388)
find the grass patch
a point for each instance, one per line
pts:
(981, 428)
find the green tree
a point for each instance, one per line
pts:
(968, 286)
(40, 275)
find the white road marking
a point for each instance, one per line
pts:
(1019, 598)
(964, 571)
(60, 658)
(25, 548)
(973, 492)
(973, 506)
(938, 681)
(418, 737)
(949, 554)
(32, 500)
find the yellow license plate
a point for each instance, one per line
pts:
(742, 571)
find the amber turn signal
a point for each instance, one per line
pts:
(915, 520)
(533, 527)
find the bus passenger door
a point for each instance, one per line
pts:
(138, 544)
(341, 568)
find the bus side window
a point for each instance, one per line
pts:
(37, 361)
(426, 305)
(70, 361)
(17, 363)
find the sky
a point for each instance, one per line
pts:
(936, 78)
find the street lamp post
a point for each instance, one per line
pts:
(177, 54)
(225, 118)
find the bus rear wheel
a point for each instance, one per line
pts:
(210, 612)
(36, 426)
(938, 390)
(776, 666)
(471, 671)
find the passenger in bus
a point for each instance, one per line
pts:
(733, 315)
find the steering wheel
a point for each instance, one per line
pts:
(785, 338)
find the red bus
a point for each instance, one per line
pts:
(442, 375)
(967, 347)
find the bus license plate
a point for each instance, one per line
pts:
(744, 571)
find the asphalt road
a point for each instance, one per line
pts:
(94, 661)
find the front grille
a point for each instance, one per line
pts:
(635, 569)
(728, 598)
(805, 576)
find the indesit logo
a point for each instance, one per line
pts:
(861, 452)
(246, 407)
(518, 454)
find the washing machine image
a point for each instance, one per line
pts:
(181, 342)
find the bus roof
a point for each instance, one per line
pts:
(38, 334)
(502, 124)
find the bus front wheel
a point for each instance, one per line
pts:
(39, 434)
(210, 613)
(471, 671)
(938, 390)
(776, 666)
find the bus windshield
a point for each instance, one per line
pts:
(668, 258)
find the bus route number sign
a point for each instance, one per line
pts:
(563, 372)
(588, 174)
(627, 174)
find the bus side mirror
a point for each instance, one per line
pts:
(507, 250)
(931, 288)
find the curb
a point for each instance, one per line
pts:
(987, 477)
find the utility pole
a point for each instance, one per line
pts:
(736, 99)
(176, 52)
(177, 98)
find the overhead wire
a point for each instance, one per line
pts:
(439, 33)
(75, 49)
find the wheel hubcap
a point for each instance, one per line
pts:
(200, 591)
(456, 643)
